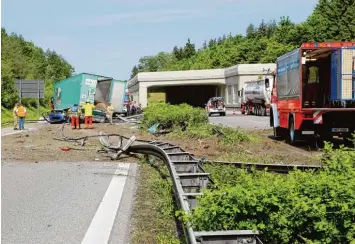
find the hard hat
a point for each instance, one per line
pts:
(88, 101)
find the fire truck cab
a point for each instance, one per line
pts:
(314, 92)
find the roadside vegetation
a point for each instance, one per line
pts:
(21, 59)
(186, 122)
(189, 127)
(300, 207)
(154, 211)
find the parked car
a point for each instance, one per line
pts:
(216, 106)
(56, 116)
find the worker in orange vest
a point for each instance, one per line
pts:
(21, 113)
(75, 113)
(88, 107)
(15, 116)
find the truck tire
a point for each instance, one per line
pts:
(293, 135)
(271, 118)
(264, 111)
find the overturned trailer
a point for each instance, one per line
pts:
(99, 90)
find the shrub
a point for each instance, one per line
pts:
(173, 115)
(300, 207)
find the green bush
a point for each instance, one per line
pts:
(172, 115)
(300, 207)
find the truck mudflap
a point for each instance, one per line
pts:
(330, 123)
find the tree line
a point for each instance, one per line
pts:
(331, 20)
(21, 59)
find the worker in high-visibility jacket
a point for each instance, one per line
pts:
(110, 110)
(75, 113)
(15, 116)
(312, 86)
(88, 107)
(21, 113)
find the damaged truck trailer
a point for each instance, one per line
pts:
(100, 90)
(314, 92)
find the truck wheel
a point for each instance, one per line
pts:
(277, 133)
(263, 112)
(294, 135)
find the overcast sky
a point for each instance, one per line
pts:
(107, 37)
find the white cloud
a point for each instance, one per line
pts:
(153, 16)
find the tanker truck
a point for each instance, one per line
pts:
(256, 97)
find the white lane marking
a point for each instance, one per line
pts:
(16, 132)
(101, 225)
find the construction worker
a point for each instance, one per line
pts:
(75, 116)
(312, 86)
(88, 106)
(133, 108)
(110, 110)
(52, 103)
(15, 116)
(21, 113)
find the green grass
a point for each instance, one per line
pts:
(155, 97)
(154, 210)
(6, 114)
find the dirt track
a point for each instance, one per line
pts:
(39, 146)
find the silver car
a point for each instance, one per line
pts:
(216, 106)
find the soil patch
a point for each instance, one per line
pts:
(39, 146)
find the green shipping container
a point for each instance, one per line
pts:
(84, 86)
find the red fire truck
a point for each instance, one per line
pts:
(314, 92)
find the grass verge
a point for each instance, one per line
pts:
(156, 97)
(154, 211)
(6, 114)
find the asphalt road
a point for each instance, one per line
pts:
(28, 127)
(87, 202)
(242, 121)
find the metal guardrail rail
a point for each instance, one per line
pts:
(189, 179)
(188, 176)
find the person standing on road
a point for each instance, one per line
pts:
(21, 113)
(88, 106)
(52, 103)
(110, 110)
(133, 108)
(75, 116)
(128, 107)
(312, 86)
(15, 116)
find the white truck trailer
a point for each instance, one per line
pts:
(256, 97)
